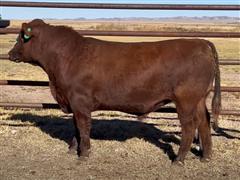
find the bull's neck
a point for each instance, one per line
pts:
(51, 66)
(55, 62)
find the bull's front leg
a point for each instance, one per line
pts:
(73, 145)
(82, 123)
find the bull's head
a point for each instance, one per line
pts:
(26, 42)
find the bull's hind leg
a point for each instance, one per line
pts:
(204, 129)
(186, 113)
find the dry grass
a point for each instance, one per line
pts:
(140, 26)
(34, 146)
(34, 142)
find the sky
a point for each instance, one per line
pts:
(54, 13)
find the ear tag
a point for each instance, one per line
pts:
(29, 29)
(26, 37)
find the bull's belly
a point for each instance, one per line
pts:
(137, 101)
(138, 109)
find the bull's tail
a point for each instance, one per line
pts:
(216, 101)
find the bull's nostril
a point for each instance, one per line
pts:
(13, 56)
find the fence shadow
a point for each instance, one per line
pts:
(223, 132)
(116, 129)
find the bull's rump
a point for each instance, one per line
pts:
(140, 76)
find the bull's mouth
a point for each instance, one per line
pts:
(15, 59)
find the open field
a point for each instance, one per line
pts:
(140, 25)
(34, 143)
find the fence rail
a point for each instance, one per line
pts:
(121, 6)
(46, 83)
(165, 109)
(143, 33)
(221, 61)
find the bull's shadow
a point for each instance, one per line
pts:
(116, 129)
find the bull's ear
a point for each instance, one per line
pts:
(31, 29)
(28, 30)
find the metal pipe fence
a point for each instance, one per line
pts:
(46, 83)
(143, 33)
(164, 109)
(121, 33)
(121, 6)
(221, 61)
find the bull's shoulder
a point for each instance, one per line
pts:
(60, 96)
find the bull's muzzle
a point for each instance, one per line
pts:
(12, 56)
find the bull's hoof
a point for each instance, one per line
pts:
(72, 151)
(85, 153)
(73, 146)
(178, 163)
(205, 159)
(83, 158)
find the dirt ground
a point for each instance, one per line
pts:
(34, 145)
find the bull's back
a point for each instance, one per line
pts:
(143, 64)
